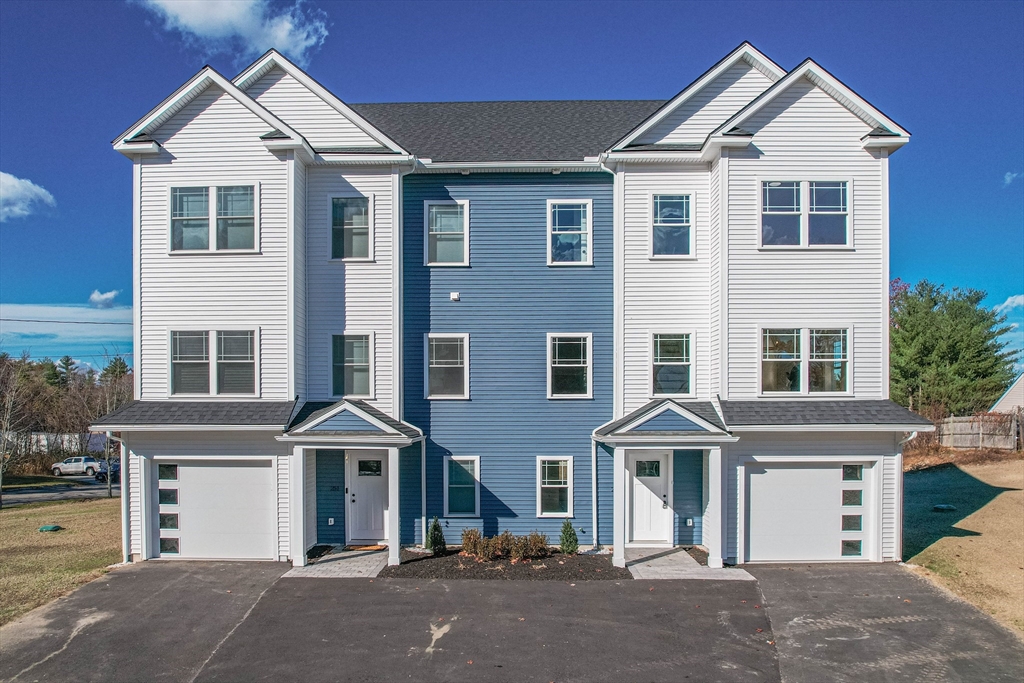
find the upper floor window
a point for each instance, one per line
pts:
(805, 213)
(350, 228)
(229, 222)
(671, 231)
(447, 233)
(671, 365)
(447, 374)
(805, 360)
(351, 366)
(234, 371)
(569, 366)
(570, 232)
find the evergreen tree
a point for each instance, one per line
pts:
(568, 542)
(435, 539)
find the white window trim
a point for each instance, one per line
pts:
(426, 364)
(211, 338)
(567, 515)
(805, 339)
(427, 203)
(805, 209)
(476, 469)
(692, 256)
(650, 364)
(590, 366)
(589, 203)
(330, 364)
(371, 219)
(212, 249)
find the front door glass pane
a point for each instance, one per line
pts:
(648, 468)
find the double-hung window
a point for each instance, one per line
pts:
(447, 233)
(447, 366)
(805, 213)
(350, 228)
(569, 366)
(671, 365)
(351, 365)
(461, 486)
(217, 217)
(802, 361)
(233, 372)
(570, 232)
(554, 487)
(671, 230)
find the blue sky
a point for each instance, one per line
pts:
(74, 75)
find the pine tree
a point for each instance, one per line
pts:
(435, 539)
(568, 542)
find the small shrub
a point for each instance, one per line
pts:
(520, 549)
(537, 545)
(504, 542)
(471, 541)
(435, 539)
(488, 549)
(568, 542)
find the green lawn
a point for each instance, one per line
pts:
(24, 481)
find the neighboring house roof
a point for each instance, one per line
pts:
(563, 130)
(805, 413)
(197, 414)
(1012, 399)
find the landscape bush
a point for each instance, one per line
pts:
(435, 539)
(568, 542)
(505, 545)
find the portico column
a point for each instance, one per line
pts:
(714, 531)
(394, 525)
(619, 508)
(296, 506)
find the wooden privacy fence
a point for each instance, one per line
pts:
(985, 430)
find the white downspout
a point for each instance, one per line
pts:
(593, 492)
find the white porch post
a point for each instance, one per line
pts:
(394, 525)
(619, 508)
(297, 505)
(714, 531)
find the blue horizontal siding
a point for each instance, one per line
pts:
(330, 496)
(410, 501)
(346, 421)
(668, 421)
(509, 300)
(605, 488)
(688, 495)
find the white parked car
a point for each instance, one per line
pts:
(77, 465)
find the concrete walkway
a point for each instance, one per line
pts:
(343, 564)
(675, 563)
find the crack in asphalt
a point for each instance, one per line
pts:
(85, 621)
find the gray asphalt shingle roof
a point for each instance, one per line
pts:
(702, 409)
(562, 130)
(199, 413)
(741, 413)
(311, 410)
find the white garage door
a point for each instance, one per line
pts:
(217, 509)
(808, 512)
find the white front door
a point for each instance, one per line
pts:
(650, 504)
(367, 495)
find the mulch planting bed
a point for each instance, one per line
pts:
(556, 567)
(698, 554)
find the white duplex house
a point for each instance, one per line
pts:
(319, 319)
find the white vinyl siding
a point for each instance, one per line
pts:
(211, 139)
(805, 134)
(321, 125)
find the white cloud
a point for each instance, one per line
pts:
(246, 28)
(1015, 301)
(103, 299)
(19, 197)
(1010, 177)
(79, 331)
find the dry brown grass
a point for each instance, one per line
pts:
(934, 455)
(37, 567)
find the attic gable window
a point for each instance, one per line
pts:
(812, 214)
(214, 218)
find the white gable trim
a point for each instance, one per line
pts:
(678, 410)
(273, 58)
(745, 52)
(206, 77)
(836, 89)
(342, 407)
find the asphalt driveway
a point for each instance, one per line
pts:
(178, 621)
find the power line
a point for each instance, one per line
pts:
(63, 322)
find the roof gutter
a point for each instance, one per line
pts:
(467, 167)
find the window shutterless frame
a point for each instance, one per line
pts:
(839, 360)
(588, 362)
(464, 338)
(568, 232)
(331, 363)
(216, 207)
(554, 482)
(331, 227)
(437, 231)
(677, 210)
(212, 353)
(813, 199)
(666, 360)
(474, 460)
